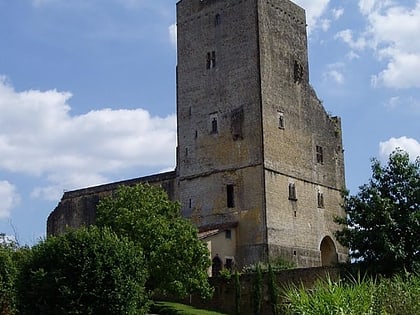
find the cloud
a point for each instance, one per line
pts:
(410, 145)
(314, 10)
(9, 198)
(335, 72)
(391, 31)
(173, 34)
(39, 137)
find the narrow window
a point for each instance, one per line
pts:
(190, 203)
(292, 191)
(280, 117)
(213, 124)
(228, 234)
(320, 200)
(298, 72)
(230, 196)
(213, 59)
(319, 154)
(217, 19)
(186, 152)
(208, 62)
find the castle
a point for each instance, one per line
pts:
(260, 164)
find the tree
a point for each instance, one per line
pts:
(86, 271)
(382, 226)
(176, 259)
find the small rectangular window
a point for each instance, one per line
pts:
(320, 200)
(211, 60)
(292, 191)
(319, 154)
(228, 234)
(213, 123)
(229, 263)
(280, 117)
(230, 196)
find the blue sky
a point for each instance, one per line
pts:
(87, 92)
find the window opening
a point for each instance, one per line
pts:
(320, 200)
(292, 191)
(216, 266)
(319, 154)
(280, 117)
(228, 234)
(217, 19)
(230, 196)
(211, 60)
(213, 124)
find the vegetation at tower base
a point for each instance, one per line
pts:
(382, 225)
(176, 259)
(86, 271)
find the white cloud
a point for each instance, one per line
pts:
(9, 198)
(314, 10)
(39, 137)
(337, 13)
(172, 34)
(392, 32)
(410, 145)
(335, 72)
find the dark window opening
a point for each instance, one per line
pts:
(281, 120)
(214, 125)
(216, 266)
(228, 234)
(230, 196)
(319, 154)
(320, 200)
(190, 203)
(292, 192)
(217, 19)
(211, 60)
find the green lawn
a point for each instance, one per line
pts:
(169, 308)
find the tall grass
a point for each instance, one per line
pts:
(397, 296)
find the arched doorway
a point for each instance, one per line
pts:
(328, 252)
(216, 266)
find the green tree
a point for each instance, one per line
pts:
(382, 226)
(86, 271)
(8, 273)
(176, 259)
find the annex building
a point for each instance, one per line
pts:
(260, 164)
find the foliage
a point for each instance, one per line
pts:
(176, 259)
(383, 220)
(257, 292)
(86, 271)
(396, 296)
(276, 264)
(273, 290)
(238, 295)
(169, 308)
(11, 258)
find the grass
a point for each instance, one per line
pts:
(397, 296)
(170, 308)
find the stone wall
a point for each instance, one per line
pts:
(78, 208)
(224, 298)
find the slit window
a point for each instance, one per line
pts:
(228, 234)
(214, 128)
(217, 20)
(292, 191)
(319, 154)
(280, 119)
(320, 200)
(230, 196)
(211, 60)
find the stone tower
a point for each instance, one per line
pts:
(256, 148)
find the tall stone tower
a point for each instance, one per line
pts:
(256, 149)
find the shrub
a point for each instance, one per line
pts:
(86, 271)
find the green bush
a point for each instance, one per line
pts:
(86, 271)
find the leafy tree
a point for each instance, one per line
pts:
(382, 226)
(176, 259)
(86, 271)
